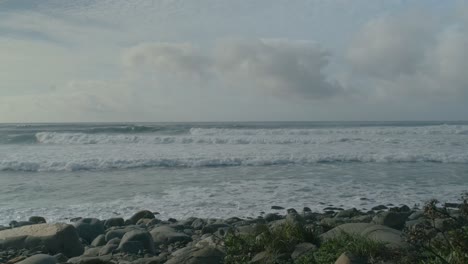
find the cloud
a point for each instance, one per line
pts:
(408, 55)
(276, 67)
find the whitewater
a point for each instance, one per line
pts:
(62, 171)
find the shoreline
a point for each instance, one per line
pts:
(144, 238)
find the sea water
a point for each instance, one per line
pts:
(61, 171)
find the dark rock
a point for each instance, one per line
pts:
(14, 224)
(275, 207)
(404, 209)
(452, 205)
(142, 238)
(379, 207)
(60, 258)
(75, 219)
(141, 214)
(91, 260)
(89, 228)
(162, 258)
(55, 238)
(37, 219)
(333, 209)
(291, 211)
(306, 209)
(99, 241)
(172, 220)
(120, 232)
(198, 224)
(391, 219)
(39, 259)
(272, 217)
(348, 213)
(118, 221)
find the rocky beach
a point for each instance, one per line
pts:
(385, 234)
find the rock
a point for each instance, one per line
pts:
(391, 219)
(348, 213)
(207, 255)
(60, 258)
(118, 221)
(198, 224)
(89, 228)
(153, 260)
(108, 249)
(331, 222)
(99, 241)
(172, 220)
(120, 232)
(452, 205)
(3, 228)
(272, 217)
(114, 241)
(211, 241)
(141, 214)
(144, 221)
(168, 235)
(140, 237)
(291, 211)
(404, 209)
(14, 224)
(39, 259)
(303, 249)
(275, 207)
(92, 252)
(37, 219)
(348, 258)
(379, 207)
(379, 233)
(55, 238)
(306, 209)
(91, 260)
(333, 209)
(416, 215)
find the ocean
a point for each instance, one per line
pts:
(103, 170)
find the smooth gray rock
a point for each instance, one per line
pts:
(99, 241)
(39, 259)
(391, 237)
(120, 232)
(140, 215)
(207, 255)
(108, 249)
(55, 238)
(130, 239)
(348, 213)
(37, 220)
(14, 224)
(89, 228)
(92, 252)
(91, 260)
(168, 235)
(198, 224)
(416, 215)
(348, 258)
(60, 258)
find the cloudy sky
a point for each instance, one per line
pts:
(228, 60)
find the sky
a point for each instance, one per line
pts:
(225, 60)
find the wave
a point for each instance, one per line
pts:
(81, 138)
(110, 164)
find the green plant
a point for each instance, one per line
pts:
(442, 243)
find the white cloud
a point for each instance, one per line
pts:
(409, 55)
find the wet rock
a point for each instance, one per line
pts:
(141, 214)
(120, 232)
(306, 209)
(89, 228)
(379, 208)
(272, 217)
(117, 221)
(37, 220)
(275, 207)
(348, 213)
(291, 211)
(14, 224)
(198, 224)
(39, 259)
(55, 238)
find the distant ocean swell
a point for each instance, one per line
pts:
(184, 135)
(109, 164)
